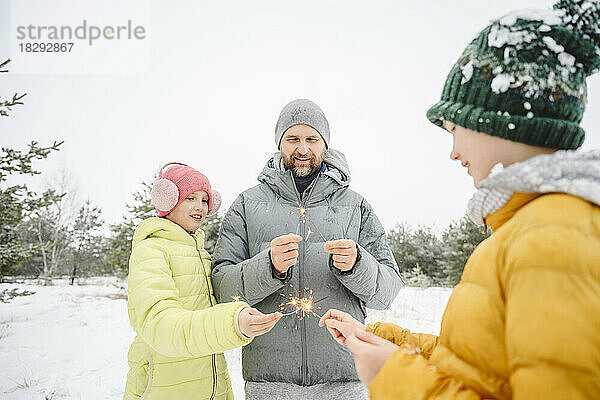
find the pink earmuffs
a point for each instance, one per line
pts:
(177, 182)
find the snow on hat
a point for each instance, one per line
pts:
(175, 182)
(523, 77)
(302, 112)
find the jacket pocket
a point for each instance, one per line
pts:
(188, 378)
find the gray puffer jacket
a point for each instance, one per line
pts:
(296, 350)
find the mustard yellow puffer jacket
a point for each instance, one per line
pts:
(181, 330)
(524, 321)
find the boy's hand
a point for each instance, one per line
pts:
(284, 252)
(253, 323)
(370, 353)
(344, 253)
(340, 325)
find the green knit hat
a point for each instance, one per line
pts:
(523, 77)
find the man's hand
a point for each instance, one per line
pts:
(253, 323)
(284, 252)
(343, 252)
(370, 353)
(340, 325)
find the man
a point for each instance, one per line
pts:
(302, 233)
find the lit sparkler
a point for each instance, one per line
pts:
(303, 306)
(303, 214)
(235, 298)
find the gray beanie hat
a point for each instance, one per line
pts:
(302, 112)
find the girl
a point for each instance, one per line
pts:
(181, 331)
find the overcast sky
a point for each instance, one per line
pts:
(219, 74)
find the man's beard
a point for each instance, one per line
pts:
(302, 171)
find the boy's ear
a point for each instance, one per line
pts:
(215, 202)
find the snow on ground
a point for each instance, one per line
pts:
(416, 309)
(71, 342)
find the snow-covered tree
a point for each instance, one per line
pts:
(18, 203)
(5, 105)
(416, 248)
(425, 259)
(416, 277)
(211, 226)
(119, 244)
(459, 240)
(87, 241)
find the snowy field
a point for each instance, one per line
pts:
(71, 342)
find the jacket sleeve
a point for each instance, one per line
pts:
(375, 278)
(551, 327)
(157, 315)
(423, 342)
(408, 373)
(235, 273)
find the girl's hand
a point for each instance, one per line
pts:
(340, 325)
(253, 323)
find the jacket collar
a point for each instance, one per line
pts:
(281, 181)
(165, 229)
(496, 219)
(572, 172)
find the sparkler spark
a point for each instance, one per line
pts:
(235, 298)
(303, 306)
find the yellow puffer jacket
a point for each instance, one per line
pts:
(181, 331)
(524, 321)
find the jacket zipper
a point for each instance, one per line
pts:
(213, 356)
(301, 279)
(149, 378)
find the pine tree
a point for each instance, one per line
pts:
(416, 277)
(211, 226)
(416, 248)
(122, 233)
(87, 240)
(459, 240)
(5, 105)
(18, 203)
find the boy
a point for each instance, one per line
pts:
(523, 322)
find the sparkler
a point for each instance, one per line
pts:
(303, 214)
(235, 298)
(303, 306)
